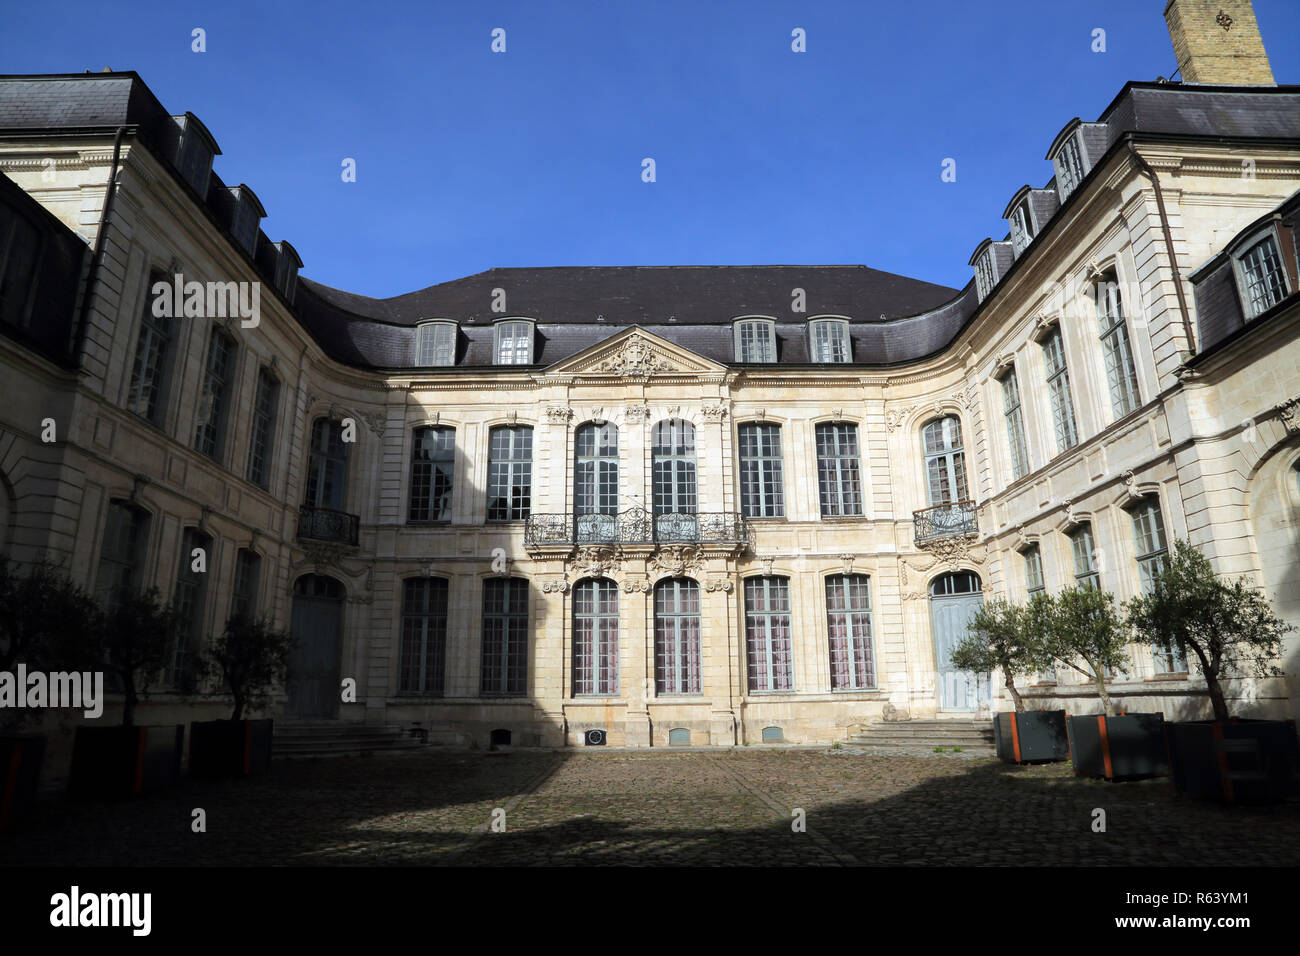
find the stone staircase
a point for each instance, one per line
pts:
(971, 735)
(338, 738)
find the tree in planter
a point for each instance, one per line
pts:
(1082, 624)
(1000, 636)
(1228, 626)
(134, 641)
(251, 657)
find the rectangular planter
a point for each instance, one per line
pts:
(20, 772)
(1126, 747)
(230, 748)
(1241, 761)
(1031, 736)
(113, 762)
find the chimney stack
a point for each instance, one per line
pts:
(1218, 42)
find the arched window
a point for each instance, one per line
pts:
(848, 620)
(673, 479)
(767, 634)
(945, 461)
(677, 636)
(595, 638)
(505, 637)
(424, 636)
(327, 467)
(432, 467)
(595, 481)
(958, 582)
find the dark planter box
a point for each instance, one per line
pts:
(1119, 748)
(113, 762)
(1031, 736)
(230, 748)
(20, 771)
(1241, 761)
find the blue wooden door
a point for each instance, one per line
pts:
(957, 690)
(313, 680)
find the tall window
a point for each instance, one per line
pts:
(327, 466)
(848, 621)
(1058, 388)
(673, 480)
(767, 634)
(1015, 423)
(1086, 573)
(263, 431)
(1021, 234)
(1121, 373)
(838, 465)
(761, 472)
(191, 591)
(436, 344)
(152, 354)
(215, 395)
(510, 473)
(1152, 554)
(756, 341)
(505, 637)
(595, 480)
(514, 343)
(1033, 570)
(121, 556)
(432, 464)
(595, 637)
(1261, 267)
(830, 340)
(1069, 161)
(248, 572)
(945, 461)
(424, 636)
(677, 637)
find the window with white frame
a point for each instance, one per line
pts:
(505, 637)
(1264, 282)
(262, 433)
(436, 344)
(214, 397)
(984, 280)
(848, 625)
(595, 637)
(830, 340)
(762, 492)
(1033, 570)
(1015, 423)
(433, 460)
(672, 468)
(839, 470)
(595, 480)
(945, 461)
(1058, 390)
(677, 637)
(510, 473)
(1021, 232)
(1084, 553)
(767, 634)
(423, 656)
(755, 340)
(145, 394)
(1121, 372)
(514, 342)
(1152, 555)
(1069, 165)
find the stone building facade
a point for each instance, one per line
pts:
(706, 505)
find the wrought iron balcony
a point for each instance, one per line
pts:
(955, 519)
(636, 526)
(326, 524)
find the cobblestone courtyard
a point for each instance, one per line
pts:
(726, 807)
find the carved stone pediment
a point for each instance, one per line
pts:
(636, 354)
(675, 560)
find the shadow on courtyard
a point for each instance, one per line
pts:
(434, 810)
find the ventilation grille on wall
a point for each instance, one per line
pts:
(594, 738)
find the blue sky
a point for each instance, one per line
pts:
(469, 159)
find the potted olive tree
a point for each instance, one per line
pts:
(131, 642)
(1005, 637)
(43, 616)
(1082, 629)
(1232, 631)
(250, 659)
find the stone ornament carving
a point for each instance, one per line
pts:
(767, 564)
(635, 358)
(559, 587)
(631, 586)
(848, 563)
(637, 413)
(1289, 412)
(559, 415)
(894, 417)
(675, 559)
(1128, 478)
(322, 555)
(714, 413)
(719, 584)
(594, 560)
(376, 423)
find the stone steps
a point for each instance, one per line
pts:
(970, 735)
(340, 739)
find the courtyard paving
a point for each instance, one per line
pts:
(634, 808)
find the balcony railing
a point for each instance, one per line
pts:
(636, 526)
(950, 520)
(326, 524)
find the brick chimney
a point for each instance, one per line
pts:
(1218, 42)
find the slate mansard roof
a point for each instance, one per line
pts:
(893, 319)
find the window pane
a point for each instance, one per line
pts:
(432, 467)
(677, 637)
(424, 636)
(595, 638)
(838, 470)
(761, 474)
(767, 634)
(510, 473)
(848, 613)
(505, 637)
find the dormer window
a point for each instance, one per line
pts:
(248, 214)
(1260, 275)
(1022, 232)
(755, 340)
(194, 152)
(514, 342)
(829, 340)
(1069, 166)
(287, 264)
(984, 278)
(435, 344)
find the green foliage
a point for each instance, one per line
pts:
(1082, 628)
(134, 640)
(998, 637)
(44, 617)
(250, 657)
(1228, 626)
